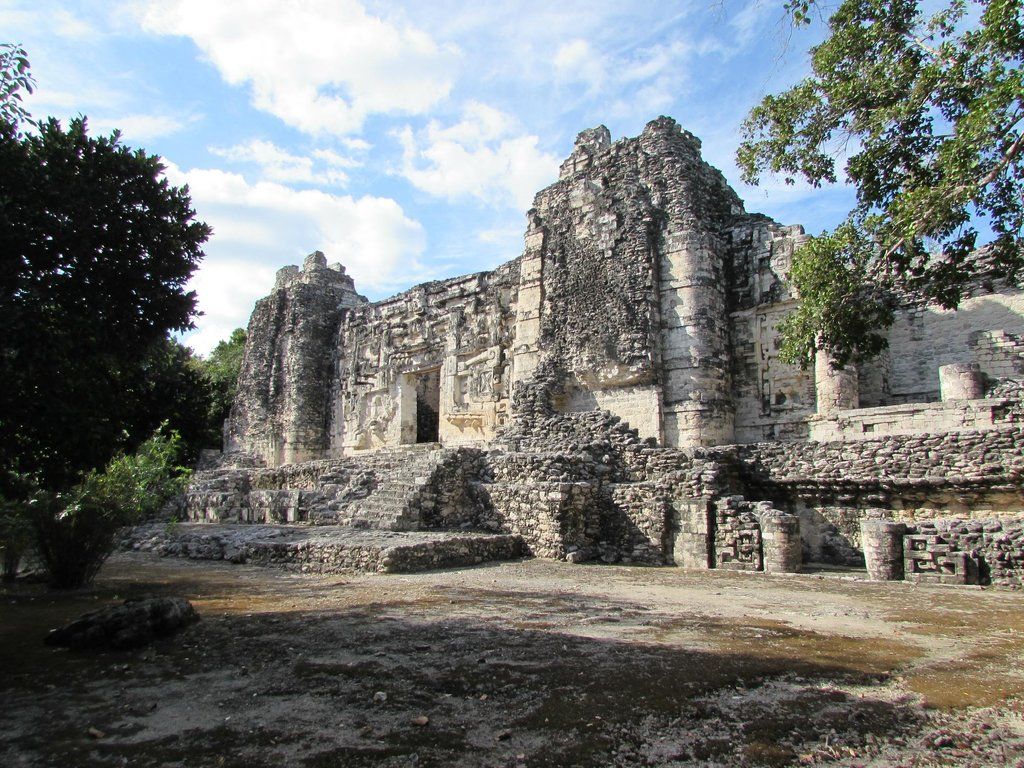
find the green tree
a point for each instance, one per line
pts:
(221, 368)
(15, 528)
(98, 248)
(170, 387)
(929, 112)
(15, 77)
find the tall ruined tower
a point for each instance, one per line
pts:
(633, 261)
(280, 411)
(624, 284)
(646, 304)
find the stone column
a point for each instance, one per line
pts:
(882, 541)
(692, 547)
(961, 381)
(526, 351)
(835, 389)
(697, 393)
(780, 542)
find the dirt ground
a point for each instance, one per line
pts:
(532, 663)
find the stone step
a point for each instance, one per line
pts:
(325, 549)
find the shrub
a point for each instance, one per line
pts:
(15, 529)
(15, 535)
(75, 532)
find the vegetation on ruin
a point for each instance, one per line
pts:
(928, 112)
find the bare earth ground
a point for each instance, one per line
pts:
(534, 663)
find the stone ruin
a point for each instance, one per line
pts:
(614, 394)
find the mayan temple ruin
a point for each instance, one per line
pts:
(614, 394)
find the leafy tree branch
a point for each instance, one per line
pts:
(930, 111)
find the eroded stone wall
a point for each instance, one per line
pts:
(625, 281)
(446, 342)
(832, 486)
(987, 329)
(615, 392)
(282, 402)
(652, 292)
(773, 399)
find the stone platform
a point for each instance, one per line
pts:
(327, 549)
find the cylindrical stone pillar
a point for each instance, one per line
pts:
(836, 389)
(882, 541)
(780, 542)
(961, 381)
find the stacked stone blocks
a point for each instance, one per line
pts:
(615, 394)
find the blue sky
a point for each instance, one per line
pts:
(405, 140)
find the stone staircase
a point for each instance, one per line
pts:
(403, 490)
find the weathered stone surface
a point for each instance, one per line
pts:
(614, 393)
(883, 548)
(280, 411)
(131, 625)
(331, 549)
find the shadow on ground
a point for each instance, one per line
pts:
(313, 673)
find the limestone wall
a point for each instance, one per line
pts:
(832, 486)
(981, 460)
(441, 347)
(773, 399)
(588, 294)
(624, 283)
(965, 552)
(280, 410)
(947, 551)
(651, 292)
(617, 390)
(987, 329)
(915, 418)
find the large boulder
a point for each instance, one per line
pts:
(135, 623)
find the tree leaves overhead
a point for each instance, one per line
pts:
(97, 250)
(929, 112)
(15, 77)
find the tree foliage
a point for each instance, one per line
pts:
(15, 77)
(929, 111)
(835, 313)
(77, 530)
(221, 369)
(98, 248)
(15, 528)
(170, 387)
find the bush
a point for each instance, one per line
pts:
(75, 532)
(15, 529)
(15, 535)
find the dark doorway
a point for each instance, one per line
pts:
(428, 402)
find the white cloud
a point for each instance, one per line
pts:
(140, 127)
(577, 60)
(480, 156)
(277, 164)
(501, 235)
(355, 145)
(331, 157)
(227, 291)
(321, 66)
(632, 79)
(66, 24)
(751, 20)
(261, 227)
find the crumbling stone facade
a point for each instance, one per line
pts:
(614, 393)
